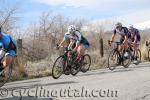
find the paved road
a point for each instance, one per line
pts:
(122, 84)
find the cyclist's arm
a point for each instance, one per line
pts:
(136, 36)
(126, 35)
(78, 41)
(125, 39)
(62, 43)
(79, 37)
(66, 37)
(135, 39)
(76, 47)
(113, 35)
(70, 46)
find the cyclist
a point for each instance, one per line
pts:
(74, 36)
(9, 50)
(123, 33)
(134, 38)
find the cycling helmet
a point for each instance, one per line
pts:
(71, 29)
(131, 27)
(117, 25)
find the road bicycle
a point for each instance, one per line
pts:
(117, 58)
(67, 64)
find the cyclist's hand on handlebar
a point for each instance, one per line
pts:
(58, 46)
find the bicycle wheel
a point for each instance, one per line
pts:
(126, 61)
(5, 75)
(149, 54)
(86, 63)
(113, 59)
(138, 56)
(57, 69)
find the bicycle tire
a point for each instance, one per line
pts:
(139, 54)
(54, 66)
(83, 68)
(113, 53)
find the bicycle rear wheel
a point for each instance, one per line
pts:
(86, 63)
(57, 69)
(113, 59)
(5, 75)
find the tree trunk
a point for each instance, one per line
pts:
(101, 47)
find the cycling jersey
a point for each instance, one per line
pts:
(77, 38)
(134, 35)
(5, 39)
(123, 32)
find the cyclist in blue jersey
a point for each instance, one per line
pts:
(75, 37)
(9, 47)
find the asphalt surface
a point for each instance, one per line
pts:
(132, 83)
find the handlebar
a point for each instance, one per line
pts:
(109, 42)
(57, 46)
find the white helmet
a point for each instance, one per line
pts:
(118, 25)
(71, 29)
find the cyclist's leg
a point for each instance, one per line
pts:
(81, 49)
(9, 57)
(136, 47)
(121, 47)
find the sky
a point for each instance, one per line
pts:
(135, 12)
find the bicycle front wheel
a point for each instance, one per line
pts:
(113, 59)
(57, 69)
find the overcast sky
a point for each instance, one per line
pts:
(127, 11)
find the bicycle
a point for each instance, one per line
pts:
(136, 54)
(117, 58)
(67, 64)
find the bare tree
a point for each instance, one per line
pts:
(8, 16)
